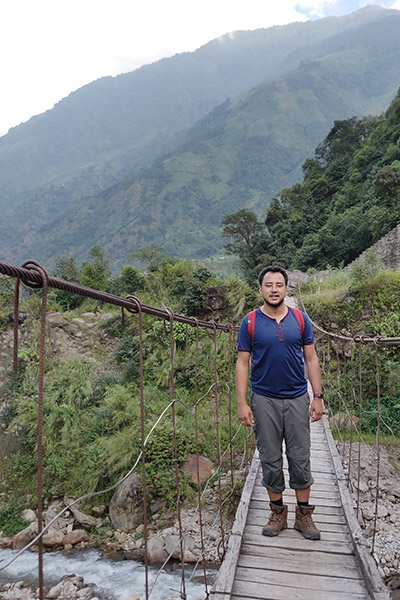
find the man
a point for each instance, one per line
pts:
(280, 406)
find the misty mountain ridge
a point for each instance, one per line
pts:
(240, 152)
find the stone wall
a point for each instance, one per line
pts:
(387, 249)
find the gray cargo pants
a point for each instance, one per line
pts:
(277, 420)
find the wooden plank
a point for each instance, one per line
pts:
(298, 543)
(301, 567)
(327, 493)
(245, 590)
(322, 486)
(259, 517)
(290, 499)
(262, 513)
(323, 510)
(278, 568)
(286, 557)
(225, 575)
(309, 581)
(337, 536)
(375, 585)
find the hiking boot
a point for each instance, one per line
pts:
(277, 520)
(305, 524)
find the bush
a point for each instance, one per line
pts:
(390, 415)
(11, 521)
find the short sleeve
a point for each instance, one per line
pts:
(308, 335)
(244, 340)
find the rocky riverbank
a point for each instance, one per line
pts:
(387, 531)
(69, 588)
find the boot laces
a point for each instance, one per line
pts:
(275, 518)
(308, 521)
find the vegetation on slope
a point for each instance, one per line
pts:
(92, 431)
(362, 301)
(350, 197)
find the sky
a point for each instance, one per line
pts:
(50, 48)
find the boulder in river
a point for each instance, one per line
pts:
(126, 506)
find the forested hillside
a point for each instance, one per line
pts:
(239, 155)
(349, 199)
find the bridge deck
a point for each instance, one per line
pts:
(289, 567)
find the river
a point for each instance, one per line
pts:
(118, 579)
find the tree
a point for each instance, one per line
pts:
(153, 257)
(129, 281)
(249, 238)
(345, 138)
(96, 272)
(66, 268)
(195, 292)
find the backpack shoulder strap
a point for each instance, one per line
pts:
(300, 318)
(251, 321)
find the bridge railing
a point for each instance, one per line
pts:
(352, 383)
(359, 406)
(232, 444)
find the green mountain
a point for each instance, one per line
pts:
(302, 76)
(240, 155)
(349, 199)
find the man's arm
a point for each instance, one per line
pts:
(314, 375)
(245, 414)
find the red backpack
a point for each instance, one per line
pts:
(251, 320)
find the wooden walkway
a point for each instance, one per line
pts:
(289, 567)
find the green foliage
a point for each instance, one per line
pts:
(95, 273)
(364, 271)
(349, 198)
(66, 268)
(92, 413)
(367, 301)
(251, 242)
(129, 281)
(241, 297)
(11, 521)
(160, 461)
(194, 294)
(127, 354)
(183, 334)
(389, 414)
(153, 257)
(6, 297)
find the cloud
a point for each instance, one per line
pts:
(316, 9)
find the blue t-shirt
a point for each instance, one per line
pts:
(277, 362)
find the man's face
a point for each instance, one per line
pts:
(273, 289)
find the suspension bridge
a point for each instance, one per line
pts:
(341, 564)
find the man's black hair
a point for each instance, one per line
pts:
(273, 269)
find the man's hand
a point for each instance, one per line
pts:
(316, 409)
(245, 415)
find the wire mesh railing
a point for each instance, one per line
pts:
(358, 410)
(351, 368)
(232, 445)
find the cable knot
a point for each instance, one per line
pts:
(170, 313)
(134, 300)
(32, 265)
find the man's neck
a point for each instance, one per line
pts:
(275, 312)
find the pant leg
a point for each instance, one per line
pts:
(297, 439)
(268, 430)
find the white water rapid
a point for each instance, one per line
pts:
(118, 579)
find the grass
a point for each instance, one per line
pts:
(337, 281)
